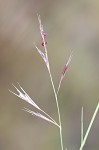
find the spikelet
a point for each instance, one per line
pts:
(24, 96)
(64, 71)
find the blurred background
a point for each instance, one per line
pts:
(70, 25)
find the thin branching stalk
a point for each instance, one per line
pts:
(55, 94)
(58, 109)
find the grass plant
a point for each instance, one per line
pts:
(41, 113)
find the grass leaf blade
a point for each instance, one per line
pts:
(89, 127)
(82, 125)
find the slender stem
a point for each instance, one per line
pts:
(61, 138)
(59, 85)
(55, 94)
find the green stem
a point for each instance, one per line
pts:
(59, 117)
(55, 94)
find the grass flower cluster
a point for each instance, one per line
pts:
(41, 113)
